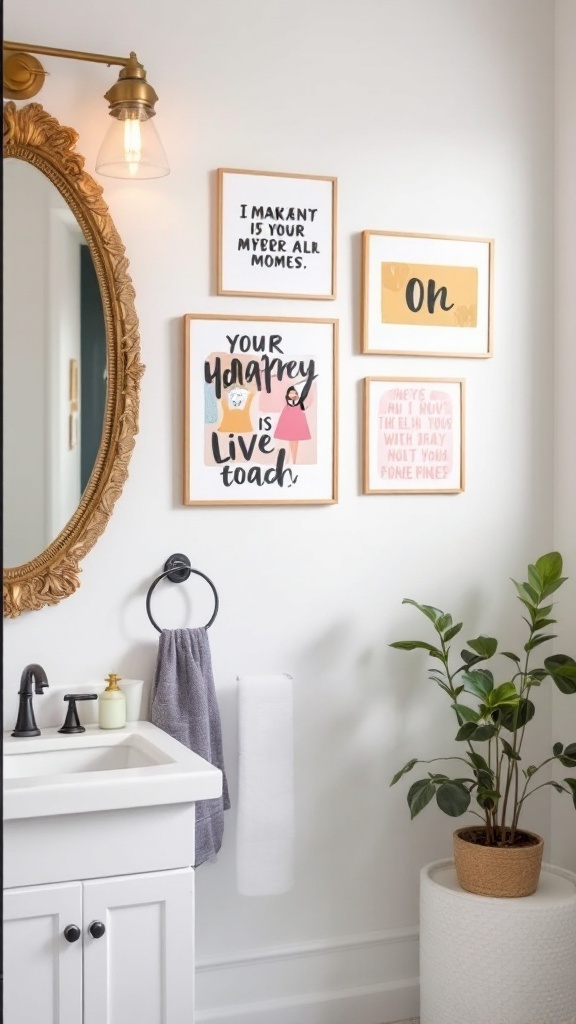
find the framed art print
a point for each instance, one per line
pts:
(260, 410)
(426, 295)
(276, 235)
(413, 435)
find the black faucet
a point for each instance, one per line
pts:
(26, 723)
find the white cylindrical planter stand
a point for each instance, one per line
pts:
(497, 961)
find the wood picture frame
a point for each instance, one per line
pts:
(414, 435)
(260, 410)
(427, 295)
(276, 234)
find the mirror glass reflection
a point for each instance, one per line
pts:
(54, 363)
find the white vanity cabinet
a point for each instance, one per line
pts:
(42, 971)
(100, 827)
(140, 968)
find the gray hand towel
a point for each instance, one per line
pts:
(184, 705)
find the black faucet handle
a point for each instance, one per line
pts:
(72, 721)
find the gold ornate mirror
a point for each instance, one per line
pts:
(52, 570)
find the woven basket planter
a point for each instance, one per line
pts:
(508, 871)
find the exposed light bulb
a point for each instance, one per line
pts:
(132, 143)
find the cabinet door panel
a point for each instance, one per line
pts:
(42, 971)
(142, 967)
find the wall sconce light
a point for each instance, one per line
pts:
(131, 146)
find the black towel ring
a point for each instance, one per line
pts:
(178, 569)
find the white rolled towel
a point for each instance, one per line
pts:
(265, 843)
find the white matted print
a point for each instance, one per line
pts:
(260, 410)
(426, 295)
(276, 235)
(413, 435)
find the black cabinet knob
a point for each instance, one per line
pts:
(71, 933)
(96, 929)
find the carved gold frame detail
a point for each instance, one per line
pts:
(31, 134)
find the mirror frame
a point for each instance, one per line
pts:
(33, 135)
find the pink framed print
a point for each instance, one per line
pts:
(413, 435)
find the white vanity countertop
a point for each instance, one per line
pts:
(98, 770)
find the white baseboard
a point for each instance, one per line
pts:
(366, 979)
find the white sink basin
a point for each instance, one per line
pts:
(126, 753)
(137, 766)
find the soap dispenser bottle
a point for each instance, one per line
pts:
(112, 705)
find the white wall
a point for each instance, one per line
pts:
(435, 118)
(564, 721)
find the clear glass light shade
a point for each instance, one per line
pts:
(132, 148)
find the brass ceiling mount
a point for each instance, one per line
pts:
(23, 75)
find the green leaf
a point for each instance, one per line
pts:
(557, 787)
(427, 609)
(512, 754)
(453, 798)
(513, 657)
(553, 587)
(537, 640)
(518, 716)
(531, 770)
(566, 756)
(535, 577)
(526, 595)
(542, 623)
(504, 695)
(443, 686)
(572, 784)
(479, 762)
(465, 731)
(487, 798)
(485, 646)
(469, 658)
(549, 566)
(451, 633)
(476, 733)
(443, 623)
(479, 682)
(420, 794)
(562, 669)
(465, 713)
(407, 768)
(485, 780)
(533, 594)
(483, 733)
(413, 645)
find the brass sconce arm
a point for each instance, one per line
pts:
(55, 51)
(138, 153)
(24, 74)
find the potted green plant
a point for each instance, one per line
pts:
(495, 858)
